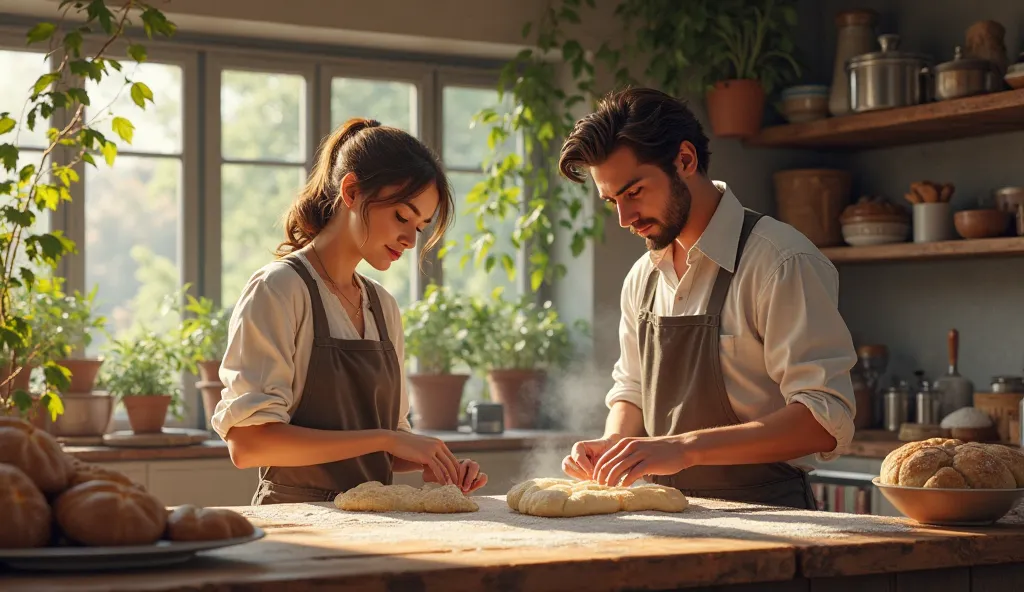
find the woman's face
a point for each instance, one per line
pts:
(391, 229)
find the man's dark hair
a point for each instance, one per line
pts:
(649, 121)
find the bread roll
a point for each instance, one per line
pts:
(36, 453)
(24, 514)
(953, 464)
(106, 513)
(191, 523)
(82, 472)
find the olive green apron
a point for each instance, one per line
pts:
(351, 384)
(683, 391)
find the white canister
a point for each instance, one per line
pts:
(932, 222)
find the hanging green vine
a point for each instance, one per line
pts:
(685, 46)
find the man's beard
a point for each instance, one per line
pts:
(676, 214)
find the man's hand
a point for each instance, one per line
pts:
(469, 476)
(630, 459)
(579, 464)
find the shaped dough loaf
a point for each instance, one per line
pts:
(374, 496)
(564, 498)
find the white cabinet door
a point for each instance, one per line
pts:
(206, 482)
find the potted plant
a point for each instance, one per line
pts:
(751, 52)
(140, 373)
(435, 335)
(204, 337)
(516, 343)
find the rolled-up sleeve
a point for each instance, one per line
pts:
(808, 348)
(626, 372)
(259, 362)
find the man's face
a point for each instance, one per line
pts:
(650, 202)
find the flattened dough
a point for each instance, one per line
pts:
(374, 496)
(565, 497)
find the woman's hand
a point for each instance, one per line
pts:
(430, 453)
(470, 478)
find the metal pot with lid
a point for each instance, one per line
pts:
(887, 78)
(963, 77)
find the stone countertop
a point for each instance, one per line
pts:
(727, 546)
(458, 442)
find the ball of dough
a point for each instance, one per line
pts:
(192, 523)
(35, 452)
(952, 464)
(106, 513)
(566, 498)
(24, 512)
(373, 496)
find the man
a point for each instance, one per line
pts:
(734, 357)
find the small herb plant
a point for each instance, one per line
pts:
(144, 366)
(436, 330)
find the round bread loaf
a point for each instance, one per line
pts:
(82, 472)
(192, 523)
(36, 453)
(107, 513)
(24, 513)
(952, 464)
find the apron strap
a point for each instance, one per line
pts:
(321, 328)
(647, 302)
(375, 308)
(724, 278)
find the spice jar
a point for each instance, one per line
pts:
(896, 403)
(1007, 384)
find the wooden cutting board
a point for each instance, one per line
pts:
(168, 437)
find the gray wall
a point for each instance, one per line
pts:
(908, 306)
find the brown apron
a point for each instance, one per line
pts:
(683, 390)
(351, 384)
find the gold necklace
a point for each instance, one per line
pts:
(358, 307)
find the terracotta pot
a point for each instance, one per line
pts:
(435, 400)
(147, 413)
(83, 373)
(736, 108)
(812, 201)
(85, 415)
(519, 392)
(210, 387)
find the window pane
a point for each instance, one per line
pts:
(21, 70)
(397, 280)
(474, 279)
(389, 102)
(158, 126)
(262, 116)
(131, 241)
(465, 146)
(255, 199)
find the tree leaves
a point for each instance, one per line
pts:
(9, 156)
(123, 128)
(41, 32)
(109, 150)
(140, 93)
(6, 123)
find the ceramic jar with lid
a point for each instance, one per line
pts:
(874, 221)
(963, 77)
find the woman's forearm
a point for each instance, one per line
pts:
(400, 465)
(286, 445)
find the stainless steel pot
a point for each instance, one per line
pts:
(963, 77)
(888, 78)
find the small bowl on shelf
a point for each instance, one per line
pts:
(950, 507)
(807, 102)
(863, 234)
(983, 223)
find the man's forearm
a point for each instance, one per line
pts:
(625, 420)
(789, 433)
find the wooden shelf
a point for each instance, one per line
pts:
(953, 249)
(979, 115)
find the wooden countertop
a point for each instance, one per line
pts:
(314, 546)
(458, 442)
(873, 443)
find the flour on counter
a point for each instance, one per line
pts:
(497, 526)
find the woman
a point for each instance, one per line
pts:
(314, 383)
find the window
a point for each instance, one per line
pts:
(392, 103)
(22, 69)
(132, 209)
(465, 151)
(263, 166)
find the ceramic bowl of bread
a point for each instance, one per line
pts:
(948, 481)
(53, 505)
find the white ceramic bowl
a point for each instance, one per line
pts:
(951, 507)
(862, 234)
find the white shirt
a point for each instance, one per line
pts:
(270, 339)
(782, 337)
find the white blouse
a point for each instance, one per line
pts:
(270, 339)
